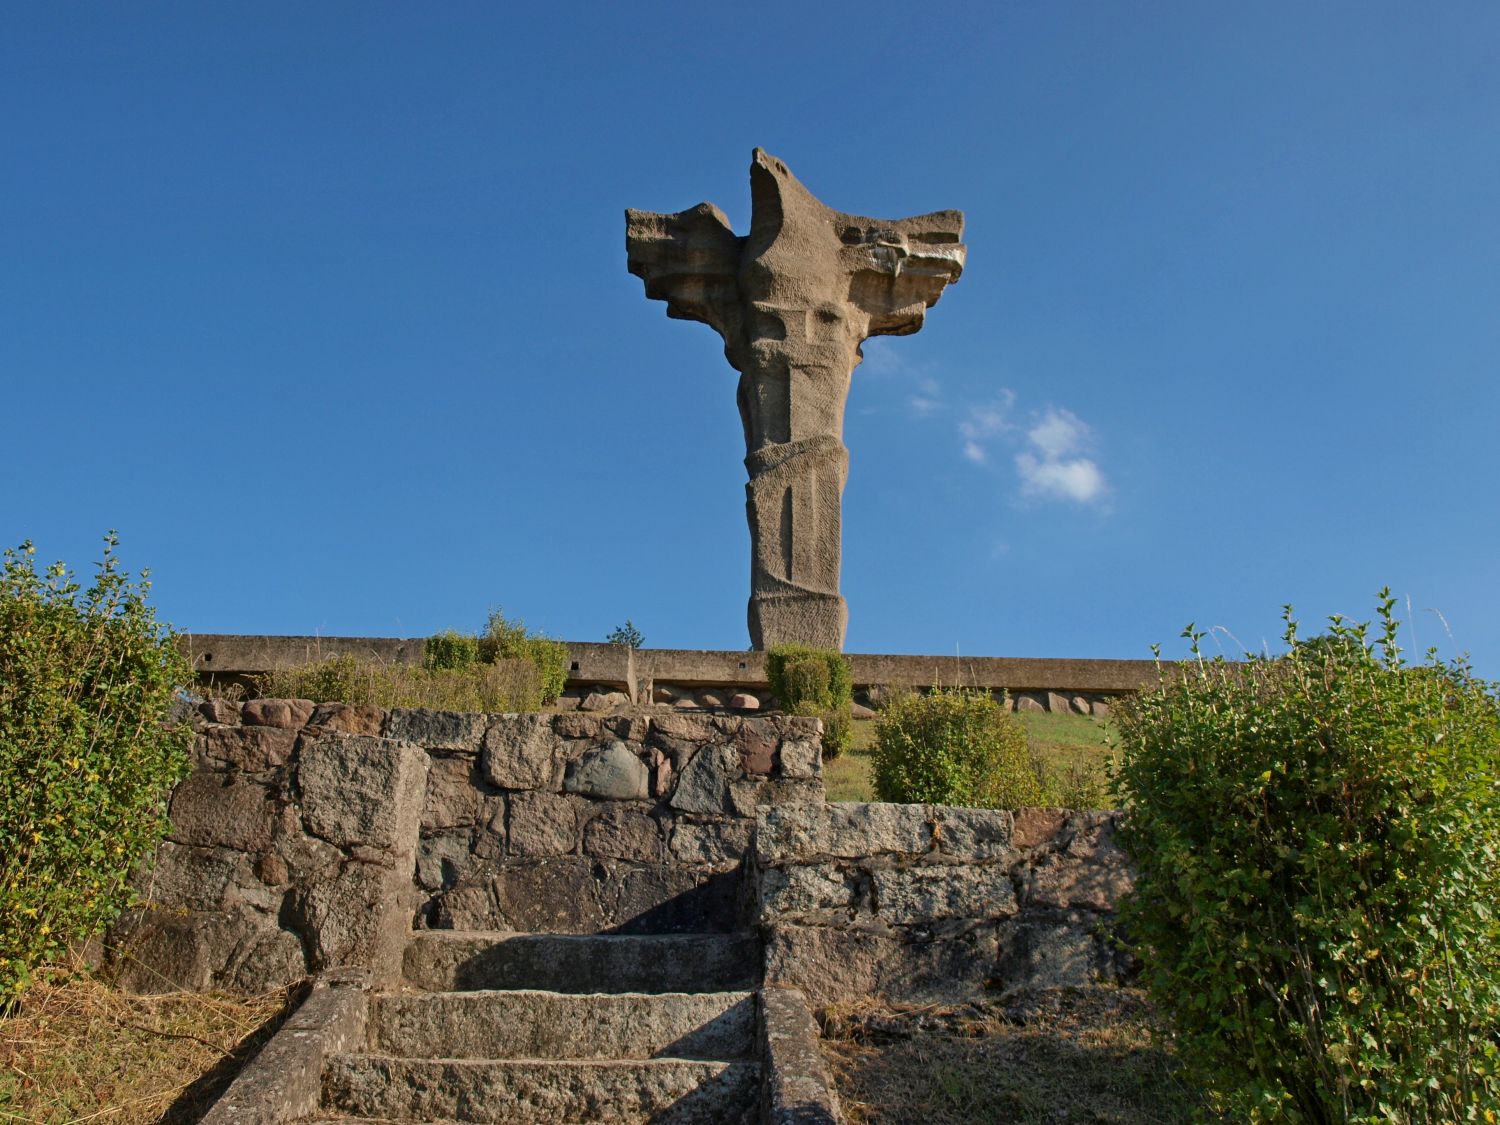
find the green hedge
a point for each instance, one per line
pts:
(953, 747)
(1317, 838)
(87, 678)
(814, 681)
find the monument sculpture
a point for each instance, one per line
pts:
(793, 300)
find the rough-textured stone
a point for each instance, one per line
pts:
(793, 301)
(611, 772)
(712, 699)
(1091, 871)
(624, 832)
(1037, 826)
(1026, 701)
(191, 877)
(797, 1088)
(289, 713)
(348, 719)
(452, 798)
(973, 834)
(252, 749)
(604, 701)
(703, 785)
(849, 963)
(688, 728)
(221, 809)
(802, 832)
(578, 726)
(450, 731)
(716, 843)
(219, 711)
(1058, 703)
(801, 757)
(520, 752)
(443, 858)
(918, 895)
(355, 788)
(757, 741)
(1099, 708)
(744, 701)
(542, 824)
(825, 892)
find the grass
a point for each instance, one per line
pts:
(1091, 1055)
(505, 685)
(75, 1050)
(1069, 752)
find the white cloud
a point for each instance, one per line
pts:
(975, 452)
(1050, 478)
(983, 424)
(1059, 433)
(922, 407)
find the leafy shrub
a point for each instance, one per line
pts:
(953, 747)
(626, 634)
(1318, 850)
(1073, 778)
(87, 678)
(450, 650)
(509, 640)
(814, 681)
(506, 685)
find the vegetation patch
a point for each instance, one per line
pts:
(75, 1050)
(1093, 1055)
(815, 681)
(506, 685)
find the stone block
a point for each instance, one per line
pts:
(756, 742)
(628, 728)
(1090, 871)
(291, 714)
(188, 877)
(543, 824)
(604, 701)
(266, 960)
(521, 752)
(850, 963)
(715, 843)
(973, 834)
(220, 711)
(348, 719)
(689, 728)
(215, 809)
(443, 858)
(453, 797)
(1034, 827)
(1030, 701)
(450, 731)
(342, 916)
(703, 784)
(166, 951)
(588, 727)
(355, 789)
(918, 895)
(801, 757)
(1057, 703)
(743, 701)
(804, 831)
(610, 772)
(824, 892)
(624, 832)
(1042, 954)
(252, 749)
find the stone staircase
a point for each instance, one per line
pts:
(559, 1028)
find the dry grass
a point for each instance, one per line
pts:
(506, 685)
(1093, 1055)
(76, 1050)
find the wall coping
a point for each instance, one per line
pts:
(230, 654)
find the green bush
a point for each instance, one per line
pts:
(813, 681)
(87, 678)
(953, 747)
(626, 634)
(1318, 852)
(509, 640)
(450, 650)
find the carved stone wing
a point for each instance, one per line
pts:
(899, 268)
(690, 260)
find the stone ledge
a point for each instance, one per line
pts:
(796, 1087)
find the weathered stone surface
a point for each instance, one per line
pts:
(452, 797)
(192, 878)
(825, 892)
(710, 699)
(159, 950)
(797, 1085)
(543, 824)
(1026, 701)
(624, 832)
(757, 741)
(801, 757)
(604, 701)
(348, 719)
(1090, 871)
(269, 959)
(743, 701)
(450, 731)
(1036, 954)
(578, 726)
(831, 964)
(716, 843)
(1037, 826)
(1099, 708)
(443, 858)
(355, 788)
(973, 834)
(793, 301)
(918, 895)
(703, 785)
(802, 832)
(611, 772)
(688, 728)
(344, 915)
(252, 749)
(221, 809)
(220, 711)
(1058, 703)
(289, 713)
(520, 752)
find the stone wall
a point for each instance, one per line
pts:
(927, 902)
(309, 836)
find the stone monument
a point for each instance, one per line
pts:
(793, 300)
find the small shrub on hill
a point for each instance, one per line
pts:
(626, 634)
(87, 678)
(509, 640)
(953, 747)
(1318, 852)
(812, 681)
(450, 649)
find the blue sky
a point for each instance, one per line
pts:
(325, 308)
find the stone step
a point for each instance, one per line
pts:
(543, 1092)
(529, 1024)
(448, 960)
